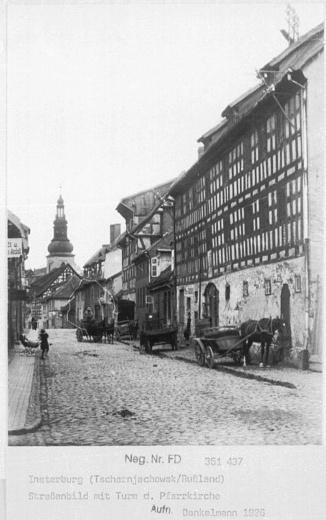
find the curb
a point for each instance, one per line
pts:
(34, 400)
(234, 372)
(27, 429)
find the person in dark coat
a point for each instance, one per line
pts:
(44, 342)
(186, 332)
(34, 323)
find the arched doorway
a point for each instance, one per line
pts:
(212, 304)
(286, 310)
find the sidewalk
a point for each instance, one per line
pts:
(277, 375)
(21, 372)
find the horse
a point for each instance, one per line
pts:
(133, 329)
(261, 331)
(91, 329)
(108, 330)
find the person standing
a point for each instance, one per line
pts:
(44, 342)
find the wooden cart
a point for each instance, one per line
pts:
(216, 343)
(156, 331)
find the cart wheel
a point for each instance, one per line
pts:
(79, 335)
(210, 357)
(200, 357)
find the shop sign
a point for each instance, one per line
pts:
(15, 247)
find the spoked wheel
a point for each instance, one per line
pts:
(79, 335)
(210, 357)
(200, 357)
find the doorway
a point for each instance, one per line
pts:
(181, 307)
(212, 304)
(286, 310)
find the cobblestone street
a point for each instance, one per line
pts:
(103, 394)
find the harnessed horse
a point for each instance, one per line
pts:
(260, 331)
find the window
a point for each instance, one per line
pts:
(154, 267)
(227, 292)
(264, 221)
(268, 287)
(281, 204)
(297, 283)
(248, 216)
(245, 289)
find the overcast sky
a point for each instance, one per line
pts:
(110, 99)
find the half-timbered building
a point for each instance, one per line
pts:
(42, 300)
(248, 213)
(148, 216)
(150, 264)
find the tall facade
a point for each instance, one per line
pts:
(248, 213)
(60, 248)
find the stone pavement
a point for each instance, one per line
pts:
(277, 375)
(20, 382)
(103, 394)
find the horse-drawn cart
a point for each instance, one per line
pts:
(157, 331)
(218, 342)
(90, 329)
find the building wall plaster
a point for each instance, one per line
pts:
(257, 304)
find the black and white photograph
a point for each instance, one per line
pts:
(165, 206)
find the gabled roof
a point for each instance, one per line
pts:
(166, 277)
(162, 244)
(16, 229)
(156, 208)
(65, 291)
(85, 282)
(275, 71)
(126, 205)
(23, 230)
(98, 256)
(42, 283)
(312, 36)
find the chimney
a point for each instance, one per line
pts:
(115, 230)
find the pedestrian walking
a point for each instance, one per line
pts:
(44, 342)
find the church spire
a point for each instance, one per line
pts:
(60, 248)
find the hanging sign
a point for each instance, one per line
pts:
(15, 247)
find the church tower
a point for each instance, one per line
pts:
(60, 248)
